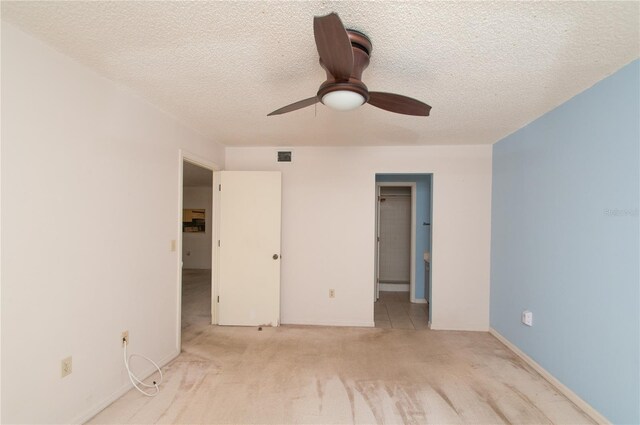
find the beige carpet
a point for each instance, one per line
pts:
(328, 375)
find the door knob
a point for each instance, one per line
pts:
(275, 256)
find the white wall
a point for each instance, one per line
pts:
(196, 247)
(328, 231)
(90, 205)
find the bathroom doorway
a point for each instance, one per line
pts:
(403, 250)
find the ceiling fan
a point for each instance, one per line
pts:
(344, 55)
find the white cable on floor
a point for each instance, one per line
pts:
(134, 379)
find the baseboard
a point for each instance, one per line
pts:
(470, 328)
(583, 405)
(355, 324)
(394, 287)
(419, 301)
(94, 410)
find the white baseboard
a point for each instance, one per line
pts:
(394, 287)
(94, 410)
(586, 407)
(467, 328)
(419, 301)
(355, 324)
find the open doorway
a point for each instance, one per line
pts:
(403, 251)
(197, 231)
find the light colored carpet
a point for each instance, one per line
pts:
(329, 375)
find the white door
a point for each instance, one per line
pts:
(249, 252)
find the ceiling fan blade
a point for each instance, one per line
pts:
(398, 104)
(333, 45)
(297, 105)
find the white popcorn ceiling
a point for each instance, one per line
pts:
(486, 68)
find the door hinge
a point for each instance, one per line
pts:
(219, 187)
(218, 298)
(218, 242)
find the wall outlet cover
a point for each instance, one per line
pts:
(527, 318)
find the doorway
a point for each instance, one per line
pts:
(196, 229)
(403, 245)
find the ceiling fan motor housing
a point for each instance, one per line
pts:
(361, 46)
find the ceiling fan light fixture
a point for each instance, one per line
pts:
(343, 100)
(344, 55)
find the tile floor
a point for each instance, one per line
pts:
(393, 310)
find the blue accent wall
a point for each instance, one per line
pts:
(565, 238)
(423, 215)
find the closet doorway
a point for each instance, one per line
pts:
(395, 238)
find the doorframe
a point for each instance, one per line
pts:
(184, 155)
(412, 264)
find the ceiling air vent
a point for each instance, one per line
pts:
(284, 156)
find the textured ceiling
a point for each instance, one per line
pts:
(486, 68)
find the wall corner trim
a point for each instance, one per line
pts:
(100, 406)
(583, 405)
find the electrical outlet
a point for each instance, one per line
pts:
(66, 367)
(527, 318)
(332, 293)
(125, 337)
